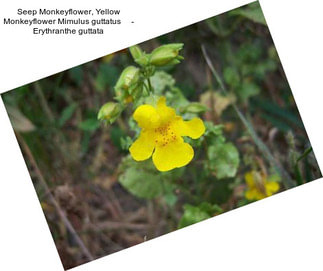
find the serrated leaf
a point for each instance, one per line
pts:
(143, 180)
(141, 183)
(224, 160)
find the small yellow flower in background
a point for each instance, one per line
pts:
(161, 136)
(259, 187)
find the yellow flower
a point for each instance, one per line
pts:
(161, 136)
(259, 187)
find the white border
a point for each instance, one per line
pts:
(283, 232)
(25, 240)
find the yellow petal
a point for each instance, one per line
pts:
(143, 147)
(146, 116)
(165, 113)
(260, 195)
(173, 155)
(193, 128)
(254, 194)
(250, 195)
(271, 188)
(249, 179)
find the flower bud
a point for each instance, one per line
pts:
(139, 56)
(166, 54)
(128, 78)
(135, 51)
(110, 111)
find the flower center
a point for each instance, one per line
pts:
(164, 135)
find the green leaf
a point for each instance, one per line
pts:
(261, 69)
(160, 81)
(231, 77)
(224, 160)
(247, 90)
(143, 180)
(193, 214)
(210, 209)
(141, 183)
(67, 114)
(89, 125)
(176, 99)
(213, 135)
(125, 142)
(213, 129)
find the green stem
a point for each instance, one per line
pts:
(297, 169)
(306, 152)
(150, 86)
(215, 73)
(146, 88)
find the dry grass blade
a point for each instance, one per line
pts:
(59, 210)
